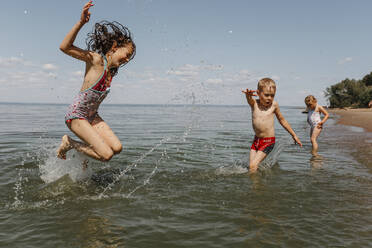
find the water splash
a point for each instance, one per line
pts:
(130, 167)
(272, 158)
(18, 190)
(164, 156)
(193, 94)
(54, 168)
(239, 167)
(242, 166)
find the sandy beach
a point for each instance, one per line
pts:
(354, 117)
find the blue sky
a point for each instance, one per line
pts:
(189, 51)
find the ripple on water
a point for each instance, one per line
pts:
(188, 187)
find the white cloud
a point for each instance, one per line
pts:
(275, 77)
(78, 73)
(214, 80)
(13, 62)
(185, 71)
(213, 67)
(303, 92)
(242, 77)
(49, 67)
(345, 60)
(75, 77)
(189, 67)
(182, 73)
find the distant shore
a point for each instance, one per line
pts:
(354, 117)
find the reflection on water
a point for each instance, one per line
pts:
(96, 231)
(316, 161)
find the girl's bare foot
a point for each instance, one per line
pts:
(64, 147)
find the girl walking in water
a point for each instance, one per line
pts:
(109, 46)
(314, 120)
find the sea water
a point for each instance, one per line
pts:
(181, 181)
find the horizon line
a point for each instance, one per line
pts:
(142, 104)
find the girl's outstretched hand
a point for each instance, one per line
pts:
(85, 14)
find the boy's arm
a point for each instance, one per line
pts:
(326, 116)
(248, 94)
(286, 125)
(67, 43)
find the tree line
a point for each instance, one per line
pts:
(350, 93)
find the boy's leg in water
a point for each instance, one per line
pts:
(313, 138)
(252, 155)
(94, 145)
(255, 158)
(107, 134)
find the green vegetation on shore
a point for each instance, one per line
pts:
(350, 93)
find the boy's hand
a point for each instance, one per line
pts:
(85, 14)
(248, 92)
(297, 140)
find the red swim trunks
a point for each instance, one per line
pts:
(265, 145)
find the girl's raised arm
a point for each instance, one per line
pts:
(67, 43)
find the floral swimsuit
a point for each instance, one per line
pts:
(86, 103)
(313, 118)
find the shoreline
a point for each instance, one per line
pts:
(361, 117)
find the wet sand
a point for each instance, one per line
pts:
(354, 117)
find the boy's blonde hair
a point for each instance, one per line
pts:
(310, 99)
(266, 82)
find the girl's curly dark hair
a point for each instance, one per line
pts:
(103, 36)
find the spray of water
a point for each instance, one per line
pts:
(55, 172)
(191, 95)
(242, 166)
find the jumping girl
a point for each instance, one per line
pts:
(109, 46)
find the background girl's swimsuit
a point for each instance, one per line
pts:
(86, 103)
(313, 118)
(265, 145)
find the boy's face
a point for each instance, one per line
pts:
(266, 95)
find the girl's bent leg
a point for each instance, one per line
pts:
(69, 143)
(64, 147)
(107, 134)
(94, 145)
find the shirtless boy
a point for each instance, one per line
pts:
(263, 111)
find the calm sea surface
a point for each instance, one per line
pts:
(181, 181)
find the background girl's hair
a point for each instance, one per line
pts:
(103, 36)
(309, 99)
